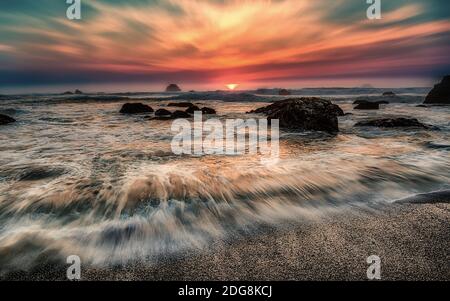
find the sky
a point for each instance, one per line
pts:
(211, 43)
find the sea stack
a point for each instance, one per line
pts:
(173, 88)
(284, 92)
(440, 94)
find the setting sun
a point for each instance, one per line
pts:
(232, 86)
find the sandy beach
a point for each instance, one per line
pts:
(412, 241)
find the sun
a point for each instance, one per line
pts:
(232, 86)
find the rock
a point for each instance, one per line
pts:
(67, 93)
(135, 108)
(368, 106)
(163, 112)
(173, 88)
(208, 111)
(306, 113)
(340, 111)
(180, 104)
(5, 119)
(362, 101)
(393, 122)
(284, 92)
(192, 109)
(421, 106)
(78, 92)
(180, 114)
(440, 94)
(389, 94)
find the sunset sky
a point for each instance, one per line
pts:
(199, 43)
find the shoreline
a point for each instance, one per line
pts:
(412, 240)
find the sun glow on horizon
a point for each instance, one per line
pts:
(232, 86)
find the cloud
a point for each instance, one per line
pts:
(221, 40)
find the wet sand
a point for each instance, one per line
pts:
(412, 240)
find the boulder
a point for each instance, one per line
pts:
(192, 109)
(208, 111)
(306, 113)
(180, 114)
(163, 112)
(135, 108)
(284, 92)
(393, 122)
(368, 106)
(5, 119)
(173, 88)
(440, 94)
(67, 93)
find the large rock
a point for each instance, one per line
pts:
(440, 94)
(306, 113)
(180, 114)
(163, 112)
(389, 93)
(192, 109)
(173, 88)
(5, 119)
(393, 122)
(208, 111)
(78, 92)
(135, 108)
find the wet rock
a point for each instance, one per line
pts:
(180, 114)
(393, 122)
(368, 106)
(163, 112)
(421, 106)
(362, 101)
(78, 92)
(208, 111)
(284, 92)
(389, 94)
(5, 119)
(173, 88)
(440, 94)
(192, 109)
(67, 93)
(306, 113)
(135, 108)
(180, 104)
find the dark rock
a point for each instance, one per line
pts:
(192, 109)
(389, 93)
(208, 111)
(340, 111)
(362, 101)
(163, 112)
(5, 119)
(306, 113)
(440, 94)
(173, 88)
(180, 114)
(67, 93)
(180, 104)
(368, 106)
(422, 106)
(135, 108)
(78, 92)
(393, 122)
(284, 92)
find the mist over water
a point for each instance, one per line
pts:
(80, 178)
